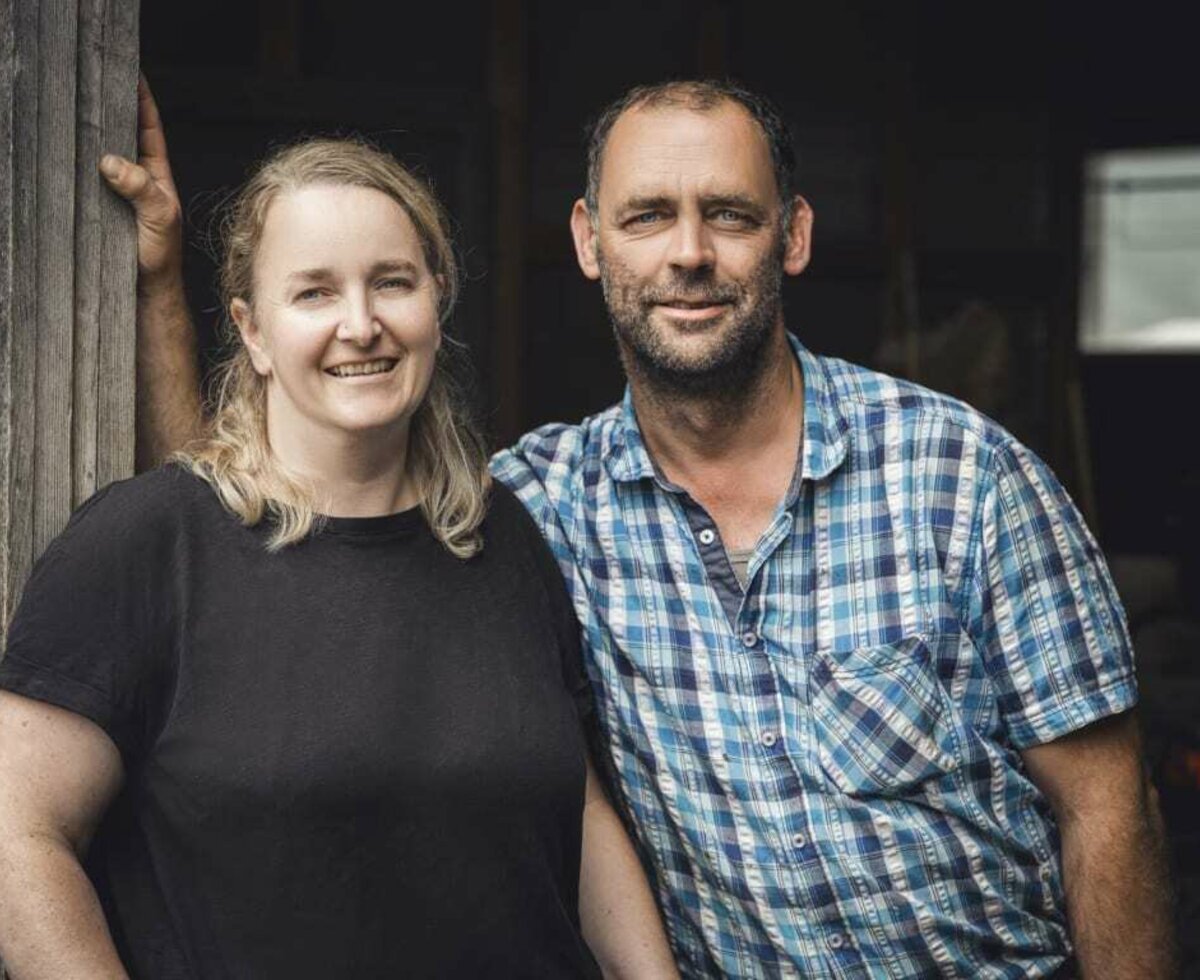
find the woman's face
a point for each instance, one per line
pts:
(344, 323)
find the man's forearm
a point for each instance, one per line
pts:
(1119, 899)
(620, 921)
(51, 924)
(168, 375)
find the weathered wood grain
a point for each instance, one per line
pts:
(68, 92)
(118, 272)
(23, 342)
(7, 70)
(88, 249)
(57, 32)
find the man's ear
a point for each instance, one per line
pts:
(252, 337)
(798, 238)
(584, 233)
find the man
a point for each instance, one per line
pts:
(864, 678)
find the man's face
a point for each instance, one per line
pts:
(689, 244)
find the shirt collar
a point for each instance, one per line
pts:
(825, 429)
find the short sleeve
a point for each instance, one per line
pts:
(78, 638)
(1044, 611)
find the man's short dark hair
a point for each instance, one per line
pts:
(699, 96)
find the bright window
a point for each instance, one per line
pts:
(1141, 252)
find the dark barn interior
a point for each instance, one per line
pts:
(942, 147)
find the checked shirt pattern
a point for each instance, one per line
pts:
(824, 773)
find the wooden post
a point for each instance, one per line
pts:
(508, 89)
(68, 93)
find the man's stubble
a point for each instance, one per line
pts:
(729, 370)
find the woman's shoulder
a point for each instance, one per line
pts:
(507, 516)
(150, 503)
(511, 527)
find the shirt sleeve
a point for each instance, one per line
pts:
(1044, 611)
(79, 634)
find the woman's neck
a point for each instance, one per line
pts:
(353, 474)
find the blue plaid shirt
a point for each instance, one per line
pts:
(824, 769)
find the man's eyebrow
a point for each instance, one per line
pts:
(645, 202)
(658, 202)
(739, 201)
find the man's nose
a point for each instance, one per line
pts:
(359, 325)
(691, 244)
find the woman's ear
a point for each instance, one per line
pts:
(251, 336)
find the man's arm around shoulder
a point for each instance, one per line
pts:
(168, 379)
(1119, 900)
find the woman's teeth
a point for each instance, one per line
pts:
(364, 367)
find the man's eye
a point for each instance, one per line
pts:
(310, 294)
(394, 282)
(730, 216)
(645, 218)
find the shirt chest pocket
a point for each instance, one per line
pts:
(881, 719)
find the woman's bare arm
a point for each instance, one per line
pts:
(620, 921)
(58, 774)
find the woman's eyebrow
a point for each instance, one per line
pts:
(395, 265)
(310, 275)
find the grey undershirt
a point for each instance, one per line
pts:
(739, 562)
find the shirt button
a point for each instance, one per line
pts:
(799, 840)
(768, 738)
(750, 639)
(836, 941)
(708, 536)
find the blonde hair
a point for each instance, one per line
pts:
(446, 455)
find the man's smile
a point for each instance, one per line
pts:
(682, 310)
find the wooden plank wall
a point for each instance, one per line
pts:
(68, 265)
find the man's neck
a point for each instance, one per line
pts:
(687, 433)
(735, 456)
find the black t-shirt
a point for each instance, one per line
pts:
(357, 757)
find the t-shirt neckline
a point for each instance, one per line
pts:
(402, 522)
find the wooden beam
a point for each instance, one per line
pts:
(68, 92)
(23, 347)
(279, 38)
(509, 98)
(57, 36)
(117, 352)
(7, 77)
(712, 40)
(88, 122)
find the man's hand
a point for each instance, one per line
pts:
(168, 380)
(149, 187)
(1114, 857)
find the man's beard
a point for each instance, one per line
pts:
(729, 370)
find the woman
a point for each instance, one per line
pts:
(309, 699)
